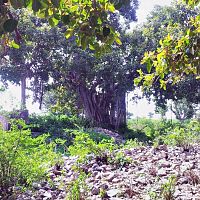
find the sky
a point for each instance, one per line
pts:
(10, 99)
(146, 6)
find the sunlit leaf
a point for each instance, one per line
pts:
(118, 41)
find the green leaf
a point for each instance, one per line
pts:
(91, 47)
(149, 66)
(51, 22)
(74, 8)
(84, 42)
(99, 21)
(14, 45)
(36, 5)
(118, 41)
(111, 8)
(10, 25)
(69, 33)
(163, 84)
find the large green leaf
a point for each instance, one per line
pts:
(10, 25)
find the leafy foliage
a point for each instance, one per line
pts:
(87, 20)
(175, 56)
(182, 136)
(76, 76)
(168, 189)
(23, 159)
(83, 145)
(77, 188)
(52, 123)
(148, 129)
(164, 20)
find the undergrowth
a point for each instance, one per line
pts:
(23, 159)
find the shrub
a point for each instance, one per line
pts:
(182, 136)
(149, 129)
(53, 124)
(77, 189)
(132, 144)
(23, 159)
(84, 145)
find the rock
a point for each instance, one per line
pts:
(165, 164)
(111, 177)
(116, 180)
(113, 192)
(161, 172)
(95, 166)
(141, 180)
(183, 180)
(95, 173)
(36, 186)
(104, 186)
(147, 172)
(98, 176)
(127, 152)
(95, 191)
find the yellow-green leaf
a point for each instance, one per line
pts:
(118, 41)
(69, 33)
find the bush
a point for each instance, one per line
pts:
(23, 159)
(148, 129)
(182, 136)
(84, 145)
(104, 151)
(53, 124)
(78, 189)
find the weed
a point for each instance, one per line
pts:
(78, 189)
(119, 159)
(168, 188)
(83, 145)
(153, 195)
(19, 151)
(103, 193)
(132, 144)
(183, 137)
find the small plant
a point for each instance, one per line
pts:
(23, 159)
(78, 189)
(120, 159)
(130, 188)
(168, 189)
(182, 136)
(153, 195)
(103, 193)
(83, 145)
(132, 144)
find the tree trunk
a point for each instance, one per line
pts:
(120, 111)
(103, 109)
(23, 93)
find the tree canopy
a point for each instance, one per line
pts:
(87, 20)
(177, 56)
(161, 22)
